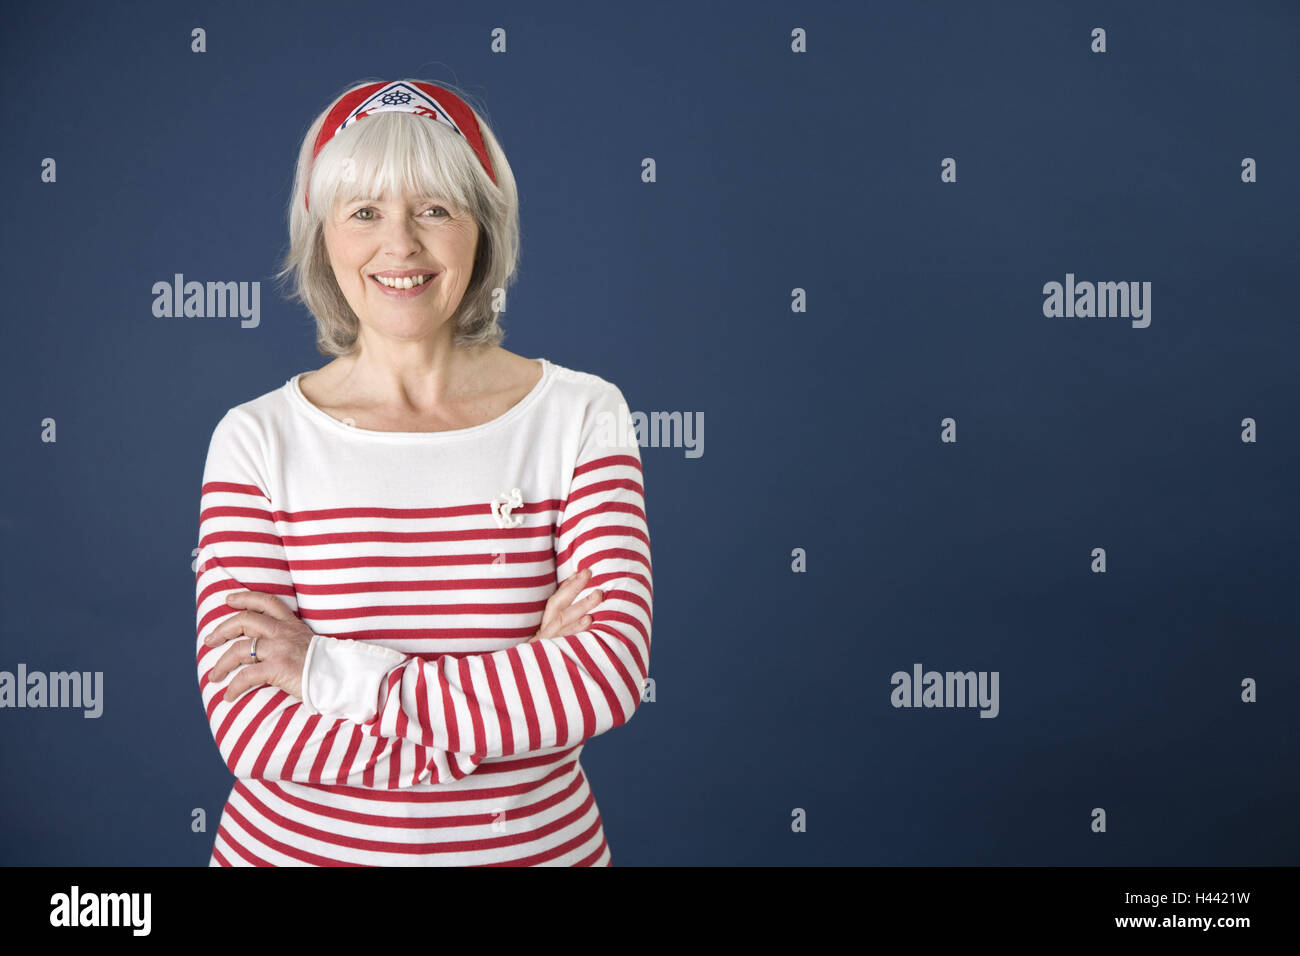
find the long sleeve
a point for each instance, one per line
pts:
(542, 694)
(265, 733)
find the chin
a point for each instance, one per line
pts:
(413, 331)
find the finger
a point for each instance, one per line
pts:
(235, 656)
(247, 679)
(560, 629)
(574, 582)
(570, 613)
(568, 620)
(568, 594)
(260, 601)
(229, 629)
(585, 604)
(563, 597)
(242, 623)
(576, 618)
(579, 621)
(571, 627)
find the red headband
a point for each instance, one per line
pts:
(402, 96)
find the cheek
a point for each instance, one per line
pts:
(343, 255)
(467, 247)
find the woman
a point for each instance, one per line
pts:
(388, 666)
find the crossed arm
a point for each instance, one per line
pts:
(375, 717)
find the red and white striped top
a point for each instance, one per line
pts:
(431, 731)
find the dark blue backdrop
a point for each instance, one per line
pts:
(776, 171)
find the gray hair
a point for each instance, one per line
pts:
(390, 153)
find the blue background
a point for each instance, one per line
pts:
(776, 171)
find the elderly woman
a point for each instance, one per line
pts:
(424, 572)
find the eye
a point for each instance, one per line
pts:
(441, 211)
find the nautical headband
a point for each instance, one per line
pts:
(402, 96)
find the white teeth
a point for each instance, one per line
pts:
(406, 282)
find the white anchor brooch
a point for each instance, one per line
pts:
(502, 505)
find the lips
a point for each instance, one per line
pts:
(405, 280)
(405, 287)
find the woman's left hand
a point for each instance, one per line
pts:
(282, 641)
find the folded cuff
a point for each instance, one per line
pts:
(342, 678)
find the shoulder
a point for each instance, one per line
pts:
(585, 390)
(596, 409)
(246, 429)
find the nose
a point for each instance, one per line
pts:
(400, 236)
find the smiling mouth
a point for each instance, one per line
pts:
(405, 282)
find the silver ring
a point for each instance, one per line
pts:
(252, 651)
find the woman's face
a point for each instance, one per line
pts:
(400, 236)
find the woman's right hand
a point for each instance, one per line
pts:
(564, 615)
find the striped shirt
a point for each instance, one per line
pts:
(431, 730)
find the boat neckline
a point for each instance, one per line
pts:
(318, 414)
